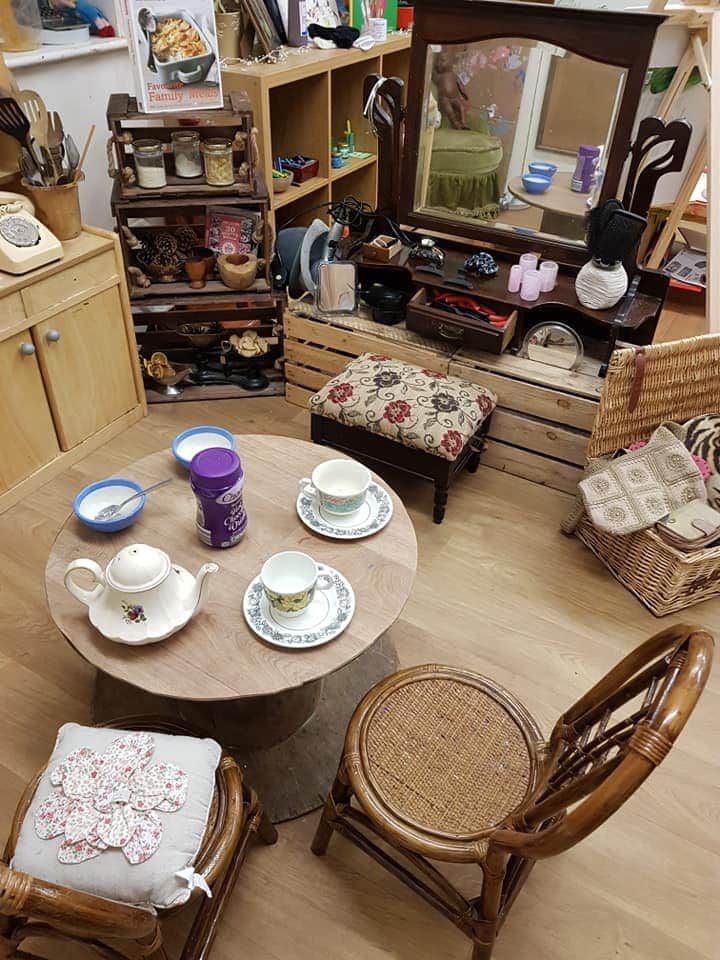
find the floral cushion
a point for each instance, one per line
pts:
(419, 408)
(120, 814)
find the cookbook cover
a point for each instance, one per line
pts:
(174, 49)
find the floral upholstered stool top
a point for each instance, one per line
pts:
(433, 416)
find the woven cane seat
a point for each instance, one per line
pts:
(446, 754)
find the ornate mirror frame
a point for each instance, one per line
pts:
(620, 39)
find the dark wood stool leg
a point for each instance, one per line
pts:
(266, 829)
(340, 793)
(440, 501)
(474, 462)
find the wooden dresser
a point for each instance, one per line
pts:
(70, 379)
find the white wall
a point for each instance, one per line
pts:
(79, 89)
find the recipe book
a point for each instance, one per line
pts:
(173, 44)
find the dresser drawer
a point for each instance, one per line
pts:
(68, 286)
(441, 325)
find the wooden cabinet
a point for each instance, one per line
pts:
(86, 367)
(69, 374)
(27, 435)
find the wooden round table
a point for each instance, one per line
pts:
(283, 712)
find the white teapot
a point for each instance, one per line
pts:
(141, 596)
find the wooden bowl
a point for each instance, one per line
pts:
(238, 270)
(281, 184)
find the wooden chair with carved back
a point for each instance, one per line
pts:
(33, 909)
(440, 764)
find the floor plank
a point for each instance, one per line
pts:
(499, 590)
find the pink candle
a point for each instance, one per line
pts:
(528, 261)
(530, 289)
(515, 278)
(548, 275)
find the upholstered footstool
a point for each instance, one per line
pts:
(426, 423)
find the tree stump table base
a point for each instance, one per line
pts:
(288, 746)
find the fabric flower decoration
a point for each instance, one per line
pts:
(110, 799)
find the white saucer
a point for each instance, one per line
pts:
(329, 612)
(372, 516)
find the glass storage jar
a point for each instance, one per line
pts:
(149, 164)
(186, 150)
(19, 25)
(217, 154)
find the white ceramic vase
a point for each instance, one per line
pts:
(599, 288)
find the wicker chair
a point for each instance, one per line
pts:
(31, 908)
(445, 765)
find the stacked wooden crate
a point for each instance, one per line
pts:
(541, 427)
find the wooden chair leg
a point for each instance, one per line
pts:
(482, 951)
(440, 501)
(339, 793)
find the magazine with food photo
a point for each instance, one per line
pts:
(174, 48)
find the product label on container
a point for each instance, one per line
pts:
(222, 522)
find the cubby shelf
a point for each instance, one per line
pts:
(351, 165)
(297, 190)
(302, 104)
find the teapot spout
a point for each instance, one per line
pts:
(202, 581)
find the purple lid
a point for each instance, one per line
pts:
(588, 150)
(215, 468)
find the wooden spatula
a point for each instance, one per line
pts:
(31, 104)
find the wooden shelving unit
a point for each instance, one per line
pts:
(300, 104)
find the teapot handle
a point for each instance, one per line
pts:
(85, 596)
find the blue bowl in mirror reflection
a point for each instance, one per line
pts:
(542, 169)
(535, 184)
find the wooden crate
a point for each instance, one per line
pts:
(233, 121)
(316, 349)
(540, 429)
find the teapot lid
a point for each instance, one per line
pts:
(137, 568)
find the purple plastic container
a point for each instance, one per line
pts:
(217, 480)
(587, 158)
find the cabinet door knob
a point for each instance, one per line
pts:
(52, 336)
(27, 349)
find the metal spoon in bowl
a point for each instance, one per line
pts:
(113, 509)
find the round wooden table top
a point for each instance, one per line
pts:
(216, 656)
(558, 197)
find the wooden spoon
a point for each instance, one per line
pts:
(80, 165)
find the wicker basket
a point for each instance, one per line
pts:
(645, 387)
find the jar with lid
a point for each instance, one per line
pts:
(217, 480)
(217, 154)
(149, 164)
(19, 25)
(186, 150)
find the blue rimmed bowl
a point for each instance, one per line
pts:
(542, 169)
(91, 500)
(535, 184)
(192, 441)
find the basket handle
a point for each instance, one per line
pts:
(636, 386)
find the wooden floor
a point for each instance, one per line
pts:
(499, 590)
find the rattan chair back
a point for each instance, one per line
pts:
(603, 748)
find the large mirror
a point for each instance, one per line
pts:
(514, 133)
(497, 89)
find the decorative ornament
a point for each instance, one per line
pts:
(481, 265)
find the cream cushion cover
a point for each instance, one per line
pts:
(154, 882)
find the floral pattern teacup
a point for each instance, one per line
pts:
(289, 580)
(340, 485)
